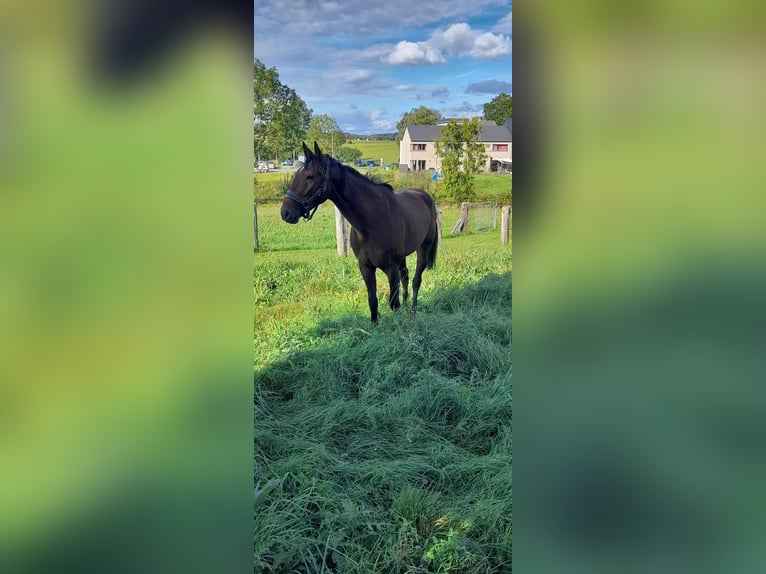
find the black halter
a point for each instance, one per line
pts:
(310, 206)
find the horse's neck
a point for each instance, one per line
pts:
(357, 210)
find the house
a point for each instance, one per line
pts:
(417, 148)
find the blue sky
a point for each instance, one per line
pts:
(366, 63)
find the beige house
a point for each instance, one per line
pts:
(417, 148)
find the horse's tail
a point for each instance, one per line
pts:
(431, 253)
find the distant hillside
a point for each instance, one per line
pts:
(371, 137)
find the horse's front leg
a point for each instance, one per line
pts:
(368, 274)
(394, 275)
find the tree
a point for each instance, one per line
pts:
(461, 156)
(347, 154)
(421, 116)
(499, 108)
(324, 130)
(280, 116)
(289, 125)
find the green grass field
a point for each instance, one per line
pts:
(381, 448)
(270, 187)
(386, 149)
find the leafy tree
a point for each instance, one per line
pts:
(499, 108)
(461, 156)
(421, 116)
(281, 117)
(325, 131)
(288, 125)
(347, 154)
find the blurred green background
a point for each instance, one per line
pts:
(126, 301)
(639, 279)
(125, 305)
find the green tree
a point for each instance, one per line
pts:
(289, 125)
(421, 116)
(461, 156)
(324, 130)
(499, 108)
(347, 154)
(280, 116)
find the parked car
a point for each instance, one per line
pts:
(372, 163)
(287, 162)
(390, 166)
(359, 163)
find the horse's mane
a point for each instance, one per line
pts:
(373, 179)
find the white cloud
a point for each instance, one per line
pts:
(410, 53)
(365, 121)
(301, 18)
(504, 25)
(380, 121)
(462, 110)
(457, 40)
(488, 46)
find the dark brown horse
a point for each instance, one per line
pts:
(387, 226)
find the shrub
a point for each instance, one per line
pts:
(348, 154)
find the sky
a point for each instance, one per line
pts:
(365, 63)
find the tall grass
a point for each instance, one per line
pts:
(270, 186)
(389, 449)
(381, 448)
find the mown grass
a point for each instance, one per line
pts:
(381, 448)
(386, 149)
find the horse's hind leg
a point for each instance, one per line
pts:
(405, 280)
(416, 280)
(393, 283)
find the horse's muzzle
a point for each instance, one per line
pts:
(290, 215)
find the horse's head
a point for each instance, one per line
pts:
(308, 188)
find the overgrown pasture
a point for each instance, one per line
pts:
(381, 448)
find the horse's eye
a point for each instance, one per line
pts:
(309, 177)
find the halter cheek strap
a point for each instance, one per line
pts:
(310, 206)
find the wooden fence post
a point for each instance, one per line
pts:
(255, 226)
(439, 227)
(342, 237)
(505, 224)
(462, 223)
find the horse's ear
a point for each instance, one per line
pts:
(317, 151)
(306, 151)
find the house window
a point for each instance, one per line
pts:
(417, 164)
(418, 147)
(499, 147)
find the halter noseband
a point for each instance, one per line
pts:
(310, 206)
